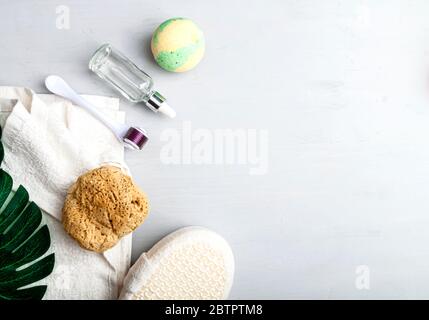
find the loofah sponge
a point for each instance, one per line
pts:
(102, 206)
(190, 263)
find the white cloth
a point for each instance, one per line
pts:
(48, 144)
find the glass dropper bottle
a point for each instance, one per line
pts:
(132, 82)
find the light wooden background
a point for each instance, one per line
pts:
(341, 87)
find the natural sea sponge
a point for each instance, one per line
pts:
(102, 206)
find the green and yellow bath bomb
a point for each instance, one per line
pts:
(178, 45)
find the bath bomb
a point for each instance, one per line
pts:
(178, 45)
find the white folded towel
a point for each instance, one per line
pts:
(48, 144)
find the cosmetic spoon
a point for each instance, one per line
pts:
(131, 137)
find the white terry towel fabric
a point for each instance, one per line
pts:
(48, 144)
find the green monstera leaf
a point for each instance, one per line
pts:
(22, 243)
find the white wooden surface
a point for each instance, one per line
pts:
(341, 87)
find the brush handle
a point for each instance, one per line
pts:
(57, 85)
(117, 129)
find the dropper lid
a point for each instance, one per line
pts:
(157, 103)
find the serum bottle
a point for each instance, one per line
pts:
(132, 82)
